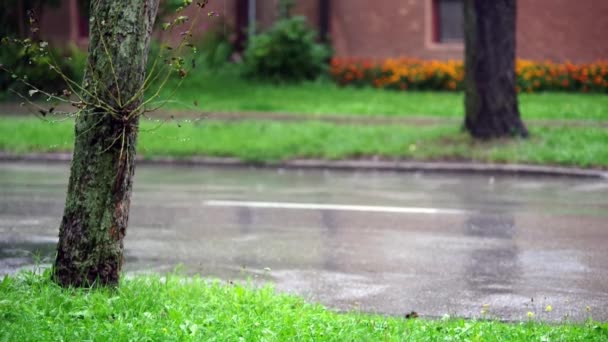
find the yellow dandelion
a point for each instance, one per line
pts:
(530, 314)
(549, 308)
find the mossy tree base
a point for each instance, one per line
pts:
(90, 249)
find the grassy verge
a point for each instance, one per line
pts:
(226, 92)
(173, 309)
(274, 141)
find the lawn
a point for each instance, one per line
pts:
(173, 308)
(269, 141)
(225, 91)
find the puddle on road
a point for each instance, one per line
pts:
(508, 239)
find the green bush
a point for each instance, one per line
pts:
(288, 51)
(215, 45)
(19, 63)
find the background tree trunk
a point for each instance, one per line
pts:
(490, 95)
(90, 249)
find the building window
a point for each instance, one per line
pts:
(448, 21)
(83, 27)
(83, 21)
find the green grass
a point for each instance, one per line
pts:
(225, 91)
(274, 141)
(150, 308)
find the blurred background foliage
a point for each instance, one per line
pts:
(287, 51)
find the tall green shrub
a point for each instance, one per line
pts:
(215, 45)
(288, 51)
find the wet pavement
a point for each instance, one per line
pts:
(373, 241)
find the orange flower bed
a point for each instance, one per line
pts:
(416, 74)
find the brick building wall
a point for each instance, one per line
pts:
(387, 28)
(56, 23)
(559, 30)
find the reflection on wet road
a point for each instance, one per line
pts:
(376, 241)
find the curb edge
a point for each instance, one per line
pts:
(362, 165)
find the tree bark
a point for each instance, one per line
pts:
(490, 95)
(90, 249)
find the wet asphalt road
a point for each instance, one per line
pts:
(375, 241)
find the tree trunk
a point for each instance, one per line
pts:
(90, 249)
(490, 95)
